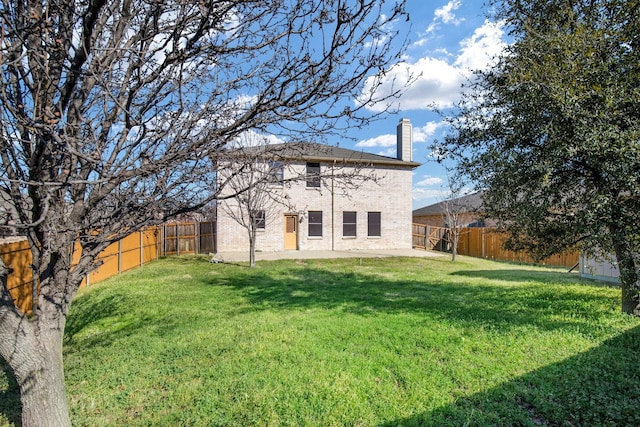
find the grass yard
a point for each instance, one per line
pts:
(371, 342)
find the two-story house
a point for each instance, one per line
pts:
(325, 198)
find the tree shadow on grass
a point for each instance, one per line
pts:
(522, 275)
(88, 309)
(92, 309)
(508, 299)
(600, 387)
(112, 315)
(492, 304)
(554, 395)
(10, 406)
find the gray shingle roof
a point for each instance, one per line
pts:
(468, 203)
(314, 152)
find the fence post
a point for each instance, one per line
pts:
(482, 242)
(197, 233)
(119, 256)
(427, 233)
(141, 249)
(164, 240)
(156, 241)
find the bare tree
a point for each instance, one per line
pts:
(455, 210)
(257, 189)
(113, 114)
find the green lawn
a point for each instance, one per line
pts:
(371, 342)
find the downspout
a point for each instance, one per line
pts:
(333, 231)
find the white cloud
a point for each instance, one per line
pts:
(478, 51)
(437, 81)
(429, 190)
(252, 138)
(426, 132)
(430, 29)
(445, 13)
(430, 181)
(387, 140)
(391, 152)
(425, 196)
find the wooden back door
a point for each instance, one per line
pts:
(290, 232)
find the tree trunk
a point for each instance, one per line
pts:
(252, 249)
(629, 267)
(40, 375)
(43, 397)
(38, 369)
(33, 350)
(454, 244)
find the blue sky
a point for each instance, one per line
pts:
(448, 38)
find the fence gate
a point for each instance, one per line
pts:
(189, 238)
(207, 237)
(419, 236)
(430, 238)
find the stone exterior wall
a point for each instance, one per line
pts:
(389, 194)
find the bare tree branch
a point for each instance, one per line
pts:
(113, 115)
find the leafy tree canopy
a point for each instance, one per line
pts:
(551, 132)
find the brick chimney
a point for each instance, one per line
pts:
(405, 140)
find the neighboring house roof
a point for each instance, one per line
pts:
(314, 152)
(468, 203)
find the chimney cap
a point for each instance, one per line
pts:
(404, 140)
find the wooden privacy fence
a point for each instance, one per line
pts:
(132, 251)
(481, 243)
(17, 256)
(189, 237)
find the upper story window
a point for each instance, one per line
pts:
(276, 173)
(313, 175)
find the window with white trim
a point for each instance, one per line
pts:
(313, 175)
(315, 223)
(373, 224)
(259, 219)
(349, 224)
(276, 173)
